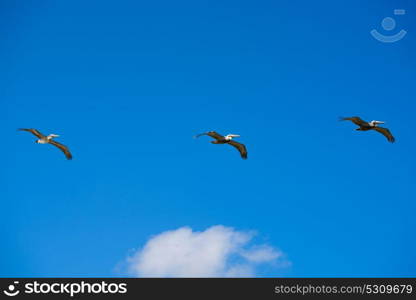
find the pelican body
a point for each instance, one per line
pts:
(227, 139)
(48, 139)
(373, 125)
(369, 126)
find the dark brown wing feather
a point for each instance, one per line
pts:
(356, 120)
(63, 148)
(33, 131)
(212, 134)
(240, 147)
(386, 133)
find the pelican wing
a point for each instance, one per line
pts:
(33, 131)
(386, 133)
(356, 120)
(240, 147)
(212, 134)
(63, 148)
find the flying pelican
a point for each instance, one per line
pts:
(43, 139)
(228, 139)
(373, 125)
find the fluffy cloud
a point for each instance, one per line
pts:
(218, 251)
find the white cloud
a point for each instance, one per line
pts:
(218, 251)
(262, 253)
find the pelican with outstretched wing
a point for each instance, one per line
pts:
(373, 125)
(227, 139)
(43, 139)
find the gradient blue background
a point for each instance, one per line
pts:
(127, 84)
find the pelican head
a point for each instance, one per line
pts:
(374, 123)
(51, 136)
(231, 136)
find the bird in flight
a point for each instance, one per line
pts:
(228, 139)
(43, 139)
(373, 125)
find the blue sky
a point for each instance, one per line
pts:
(127, 84)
